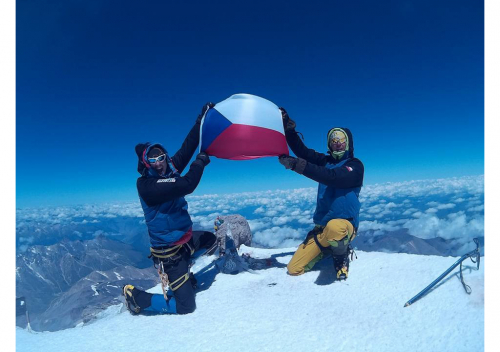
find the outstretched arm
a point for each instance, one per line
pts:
(347, 176)
(296, 144)
(185, 153)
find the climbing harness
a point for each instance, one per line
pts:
(165, 283)
(165, 253)
(170, 255)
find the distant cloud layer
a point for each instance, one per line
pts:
(450, 208)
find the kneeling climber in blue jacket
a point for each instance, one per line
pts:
(161, 191)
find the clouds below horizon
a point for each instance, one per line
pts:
(452, 209)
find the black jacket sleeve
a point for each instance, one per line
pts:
(156, 190)
(301, 151)
(183, 155)
(347, 176)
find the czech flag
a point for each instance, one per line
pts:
(242, 127)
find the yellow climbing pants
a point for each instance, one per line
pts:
(337, 234)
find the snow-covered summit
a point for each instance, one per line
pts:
(268, 310)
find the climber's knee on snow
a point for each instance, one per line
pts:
(294, 268)
(181, 286)
(184, 298)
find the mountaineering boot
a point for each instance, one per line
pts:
(341, 264)
(130, 293)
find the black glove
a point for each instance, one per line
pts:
(203, 157)
(289, 162)
(204, 110)
(288, 123)
(296, 164)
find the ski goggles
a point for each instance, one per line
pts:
(157, 159)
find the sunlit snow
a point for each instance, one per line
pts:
(268, 310)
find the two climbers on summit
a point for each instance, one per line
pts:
(174, 244)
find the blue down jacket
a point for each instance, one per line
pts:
(340, 181)
(162, 197)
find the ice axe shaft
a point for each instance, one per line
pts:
(471, 254)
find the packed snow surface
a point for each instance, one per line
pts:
(268, 310)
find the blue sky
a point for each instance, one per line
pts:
(96, 78)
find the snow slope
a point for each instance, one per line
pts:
(267, 310)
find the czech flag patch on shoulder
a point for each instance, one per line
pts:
(349, 168)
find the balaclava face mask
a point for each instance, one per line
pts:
(338, 143)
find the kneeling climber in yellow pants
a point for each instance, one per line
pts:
(336, 218)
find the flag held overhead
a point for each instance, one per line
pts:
(242, 127)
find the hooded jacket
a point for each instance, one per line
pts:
(162, 197)
(340, 181)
